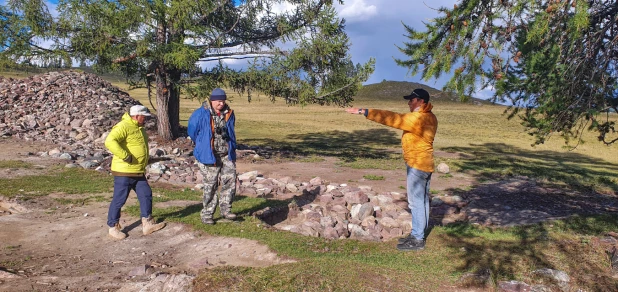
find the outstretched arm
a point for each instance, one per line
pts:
(356, 111)
(387, 118)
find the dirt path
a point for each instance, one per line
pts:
(52, 247)
(67, 248)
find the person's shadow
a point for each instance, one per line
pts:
(132, 226)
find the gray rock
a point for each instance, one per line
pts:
(556, 275)
(328, 221)
(384, 199)
(291, 188)
(368, 222)
(66, 156)
(331, 187)
(513, 286)
(479, 279)
(443, 168)
(388, 222)
(355, 210)
(356, 197)
(248, 176)
(365, 210)
(561, 278)
(435, 201)
(330, 233)
(316, 181)
(139, 270)
(451, 200)
(157, 168)
(54, 151)
(89, 164)
(156, 152)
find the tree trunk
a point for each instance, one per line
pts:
(168, 93)
(168, 103)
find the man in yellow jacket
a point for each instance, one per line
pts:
(128, 142)
(419, 129)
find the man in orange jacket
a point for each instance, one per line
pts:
(419, 129)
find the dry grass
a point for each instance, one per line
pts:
(496, 145)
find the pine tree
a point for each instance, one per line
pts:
(161, 41)
(554, 61)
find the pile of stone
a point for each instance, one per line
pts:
(319, 208)
(337, 211)
(71, 109)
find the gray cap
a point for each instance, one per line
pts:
(218, 94)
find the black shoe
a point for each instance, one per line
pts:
(229, 216)
(412, 244)
(208, 221)
(404, 239)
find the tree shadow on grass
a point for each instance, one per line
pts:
(498, 160)
(528, 190)
(372, 143)
(517, 252)
(238, 207)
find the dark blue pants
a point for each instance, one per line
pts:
(122, 186)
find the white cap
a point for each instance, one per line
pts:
(139, 110)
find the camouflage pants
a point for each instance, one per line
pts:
(224, 172)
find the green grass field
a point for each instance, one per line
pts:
(495, 148)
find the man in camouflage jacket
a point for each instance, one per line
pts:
(211, 127)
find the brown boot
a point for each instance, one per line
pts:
(149, 225)
(116, 232)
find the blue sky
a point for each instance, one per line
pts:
(375, 29)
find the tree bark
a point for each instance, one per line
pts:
(168, 103)
(168, 93)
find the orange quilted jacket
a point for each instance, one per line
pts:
(419, 129)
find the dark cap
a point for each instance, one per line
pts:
(218, 94)
(418, 93)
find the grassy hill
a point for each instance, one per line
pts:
(395, 90)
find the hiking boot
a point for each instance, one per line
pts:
(411, 244)
(208, 221)
(229, 216)
(116, 232)
(403, 239)
(149, 225)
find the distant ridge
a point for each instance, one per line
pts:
(397, 89)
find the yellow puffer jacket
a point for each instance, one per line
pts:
(419, 129)
(128, 138)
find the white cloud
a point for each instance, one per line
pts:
(283, 7)
(485, 93)
(357, 10)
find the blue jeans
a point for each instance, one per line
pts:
(122, 186)
(418, 200)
